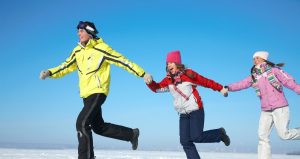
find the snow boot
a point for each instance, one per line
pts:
(135, 138)
(224, 137)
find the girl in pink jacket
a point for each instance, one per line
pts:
(268, 79)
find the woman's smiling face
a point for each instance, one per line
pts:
(172, 68)
(258, 60)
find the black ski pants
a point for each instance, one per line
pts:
(90, 118)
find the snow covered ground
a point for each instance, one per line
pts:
(122, 154)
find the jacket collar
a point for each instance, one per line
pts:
(91, 43)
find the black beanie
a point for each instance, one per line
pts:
(89, 27)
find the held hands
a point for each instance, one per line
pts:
(44, 74)
(147, 78)
(224, 91)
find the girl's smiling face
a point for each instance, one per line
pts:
(258, 60)
(172, 68)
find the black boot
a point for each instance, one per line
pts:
(135, 139)
(224, 137)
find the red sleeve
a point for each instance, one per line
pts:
(205, 82)
(156, 86)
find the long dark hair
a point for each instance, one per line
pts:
(268, 63)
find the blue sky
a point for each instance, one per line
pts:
(216, 38)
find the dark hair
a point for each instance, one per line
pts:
(182, 68)
(268, 63)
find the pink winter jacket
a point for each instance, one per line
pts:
(270, 97)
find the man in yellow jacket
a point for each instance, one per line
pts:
(92, 58)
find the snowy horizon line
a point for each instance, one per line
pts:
(116, 147)
(149, 148)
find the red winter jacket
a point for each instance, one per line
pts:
(185, 95)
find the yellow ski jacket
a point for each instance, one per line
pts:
(93, 65)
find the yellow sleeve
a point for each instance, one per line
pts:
(66, 67)
(113, 57)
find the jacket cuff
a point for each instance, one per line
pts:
(143, 74)
(50, 73)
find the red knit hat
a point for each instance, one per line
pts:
(174, 56)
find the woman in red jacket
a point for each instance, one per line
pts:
(181, 83)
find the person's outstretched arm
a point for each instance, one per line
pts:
(159, 87)
(205, 82)
(287, 80)
(64, 68)
(113, 57)
(243, 84)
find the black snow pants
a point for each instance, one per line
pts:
(90, 118)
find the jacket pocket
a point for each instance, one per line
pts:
(98, 82)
